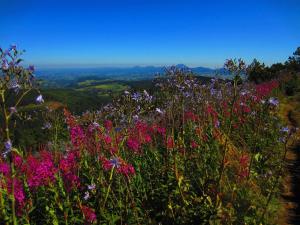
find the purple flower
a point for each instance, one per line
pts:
(92, 187)
(95, 125)
(274, 101)
(8, 145)
(135, 117)
(47, 125)
(136, 96)
(13, 84)
(31, 68)
(5, 65)
(86, 195)
(39, 99)
(13, 110)
(8, 148)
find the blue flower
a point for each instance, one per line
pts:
(8, 148)
(115, 162)
(285, 129)
(8, 145)
(118, 129)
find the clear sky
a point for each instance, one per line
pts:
(150, 32)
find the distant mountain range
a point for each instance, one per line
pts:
(126, 73)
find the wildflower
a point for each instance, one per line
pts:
(161, 130)
(5, 168)
(86, 195)
(118, 129)
(170, 143)
(126, 169)
(18, 160)
(89, 214)
(274, 101)
(284, 129)
(31, 68)
(13, 84)
(13, 110)
(47, 125)
(217, 124)
(39, 99)
(159, 111)
(126, 92)
(244, 160)
(8, 145)
(133, 144)
(77, 135)
(107, 139)
(40, 171)
(92, 187)
(194, 144)
(71, 181)
(136, 96)
(108, 125)
(190, 116)
(95, 125)
(146, 93)
(4, 65)
(8, 148)
(115, 162)
(135, 117)
(18, 193)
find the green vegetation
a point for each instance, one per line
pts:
(183, 152)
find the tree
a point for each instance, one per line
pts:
(293, 62)
(257, 72)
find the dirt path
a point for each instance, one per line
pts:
(291, 192)
(291, 185)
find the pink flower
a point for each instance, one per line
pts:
(194, 144)
(89, 214)
(107, 139)
(126, 169)
(108, 125)
(5, 169)
(147, 138)
(19, 194)
(18, 161)
(133, 144)
(68, 167)
(40, 171)
(77, 135)
(170, 143)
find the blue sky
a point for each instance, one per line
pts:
(150, 32)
